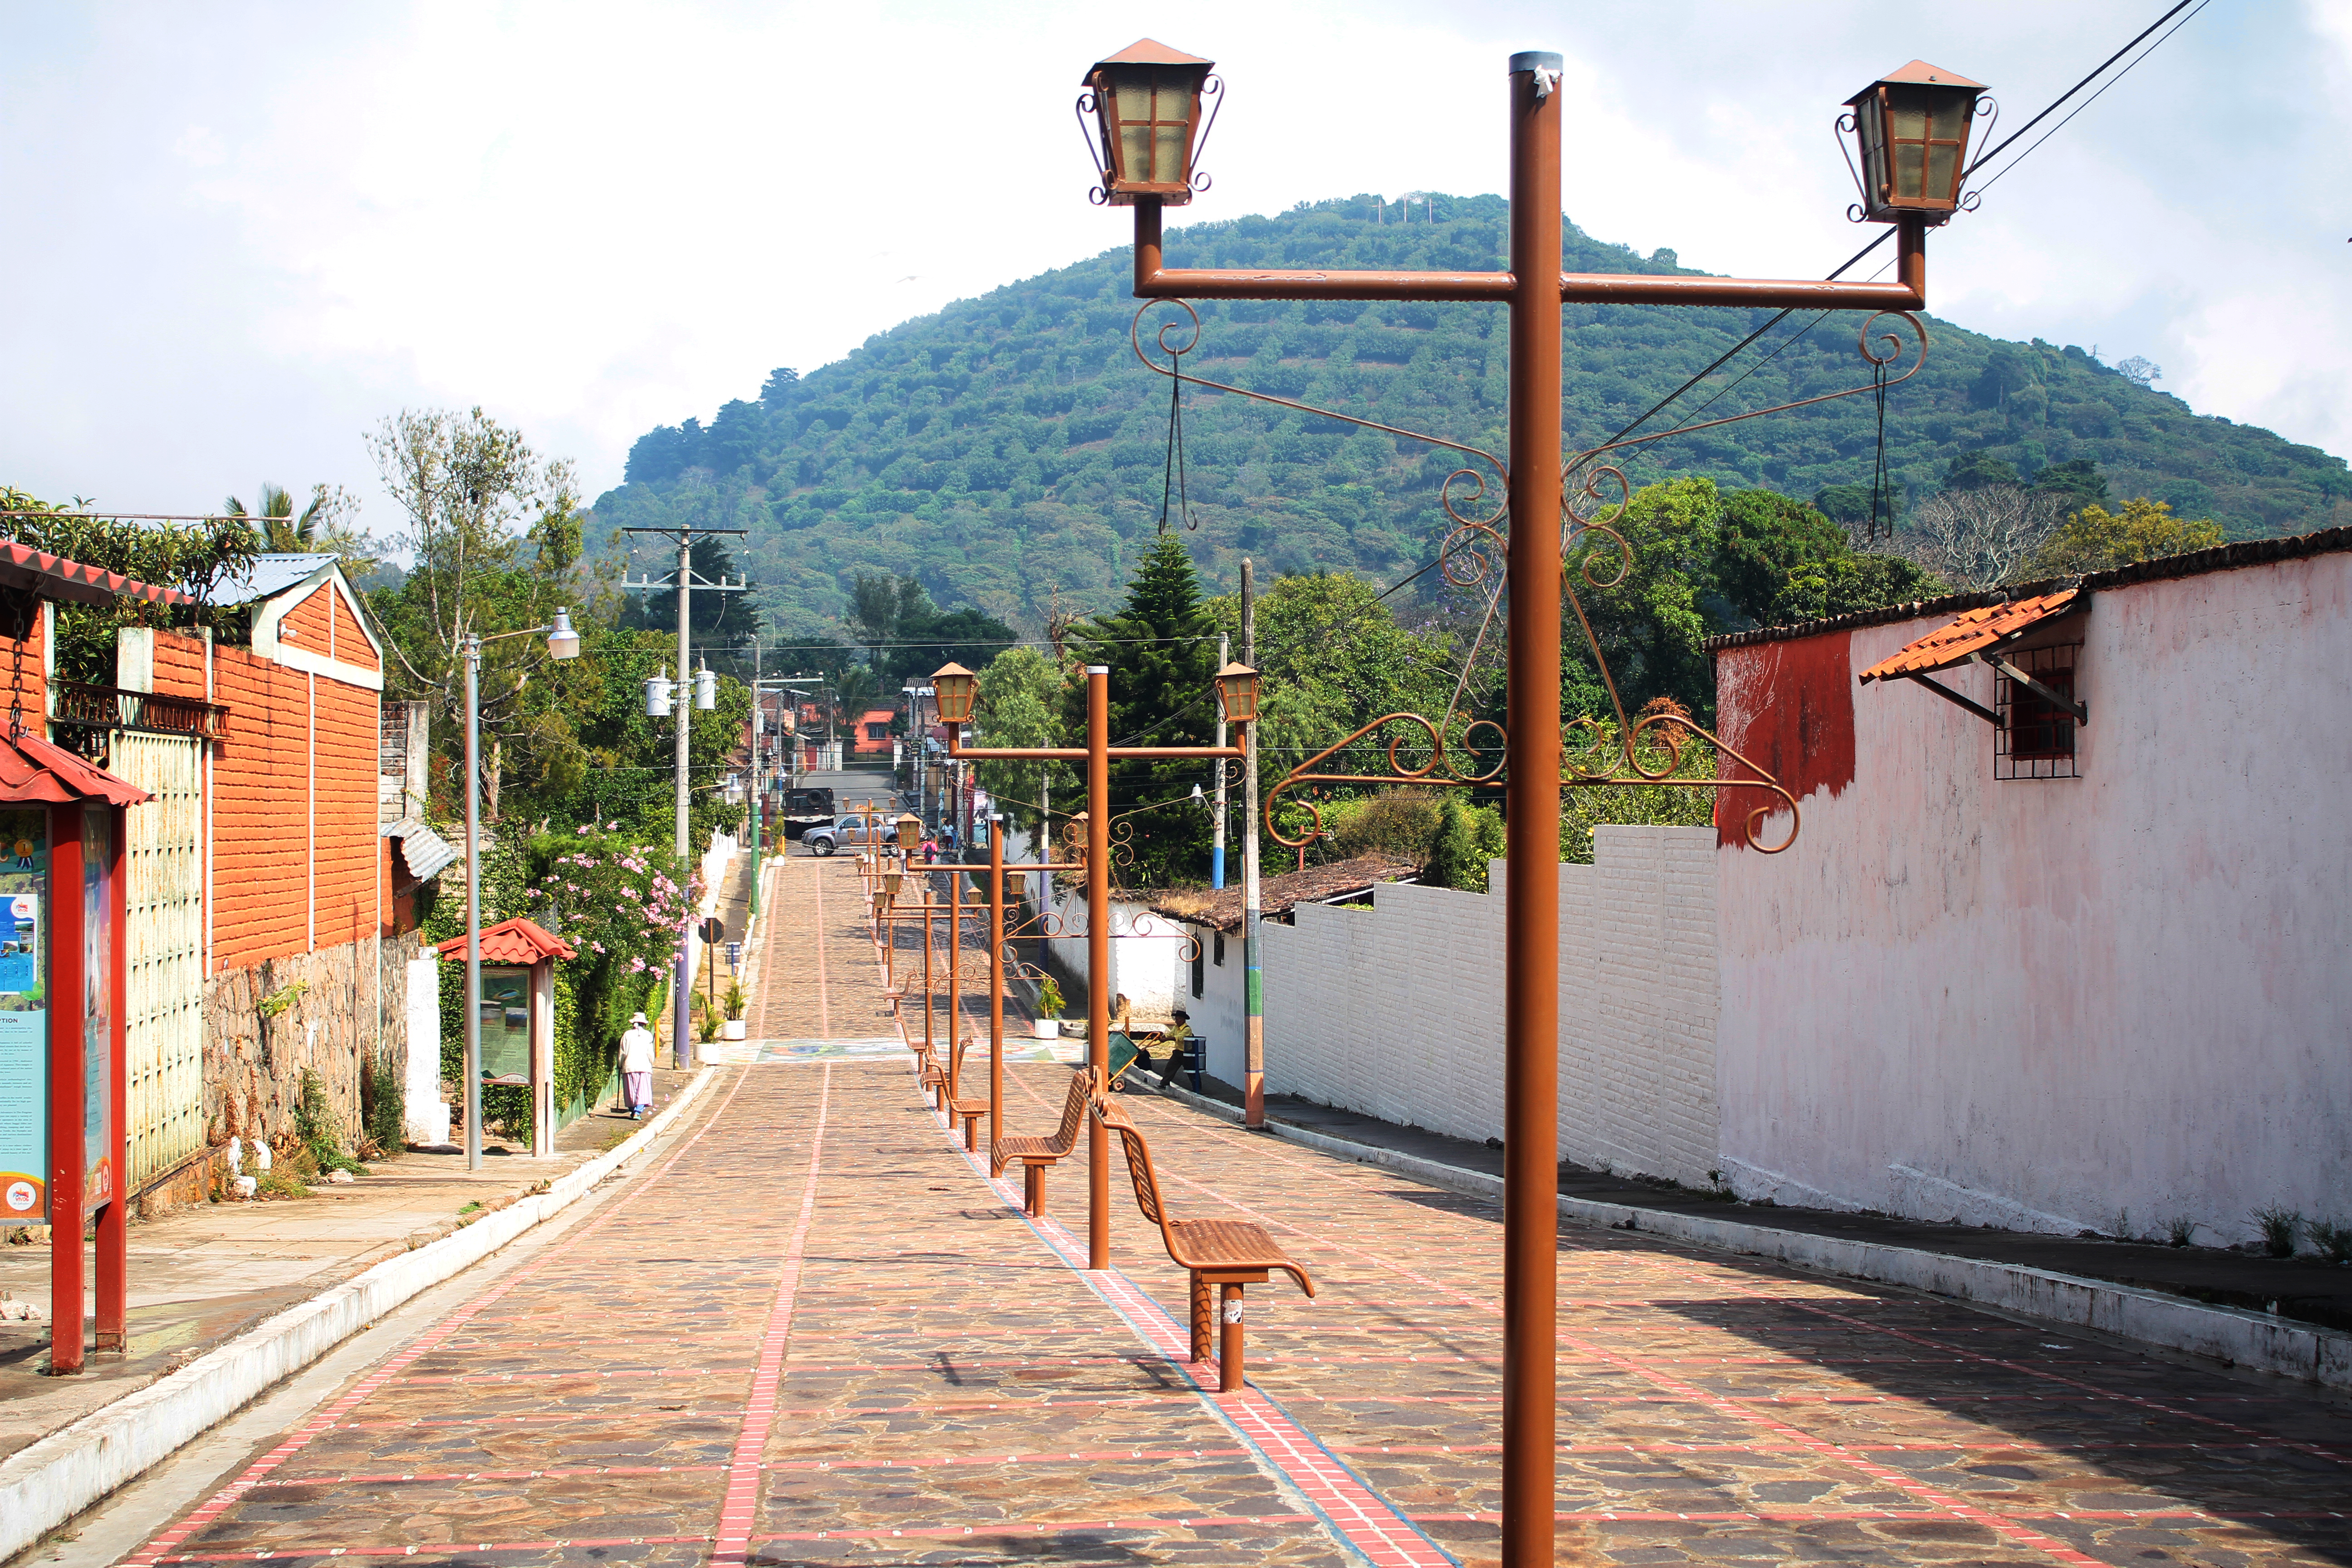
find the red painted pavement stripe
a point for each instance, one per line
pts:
(736, 1514)
(1360, 1516)
(259, 1471)
(1955, 1507)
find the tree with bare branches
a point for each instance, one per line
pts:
(1975, 538)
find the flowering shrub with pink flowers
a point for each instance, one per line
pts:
(612, 899)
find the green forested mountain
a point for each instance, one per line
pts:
(1011, 446)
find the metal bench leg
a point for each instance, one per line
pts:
(1033, 1178)
(971, 1133)
(1229, 1354)
(1200, 1312)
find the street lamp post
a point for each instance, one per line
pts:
(955, 689)
(1912, 128)
(563, 642)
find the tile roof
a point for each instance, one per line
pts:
(33, 769)
(51, 576)
(1986, 626)
(2195, 563)
(1221, 910)
(518, 941)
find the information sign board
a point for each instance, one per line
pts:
(24, 1016)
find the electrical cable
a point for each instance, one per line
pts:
(1989, 155)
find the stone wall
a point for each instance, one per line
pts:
(352, 1005)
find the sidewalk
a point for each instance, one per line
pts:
(2307, 1290)
(201, 1276)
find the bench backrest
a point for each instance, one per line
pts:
(1138, 1161)
(1074, 1114)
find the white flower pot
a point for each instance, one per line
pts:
(1049, 1028)
(732, 1029)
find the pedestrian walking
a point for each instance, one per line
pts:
(638, 1067)
(931, 851)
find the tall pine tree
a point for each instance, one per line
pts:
(1161, 648)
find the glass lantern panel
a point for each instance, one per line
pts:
(1906, 114)
(1168, 151)
(1949, 117)
(1910, 163)
(1134, 152)
(1943, 170)
(1872, 130)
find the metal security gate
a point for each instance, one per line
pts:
(163, 947)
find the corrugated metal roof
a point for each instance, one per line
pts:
(427, 852)
(518, 941)
(1977, 630)
(268, 576)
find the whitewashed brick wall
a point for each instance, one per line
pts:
(1397, 1011)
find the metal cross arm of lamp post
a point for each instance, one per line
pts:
(562, 643)
(956, 690)
(1141, 110)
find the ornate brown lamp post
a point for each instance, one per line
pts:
(956, 688)
(1912, 127)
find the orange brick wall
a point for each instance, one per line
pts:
(33, 689)
(265, 853)
(351, 643)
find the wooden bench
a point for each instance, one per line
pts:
(1037, 1154)
(1225, 1253)
(970, 1110)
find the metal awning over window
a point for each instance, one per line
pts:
(1980, 637)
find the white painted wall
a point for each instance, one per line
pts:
(1219, 1011)
(1144, 968)
(1397, 1012)
(2041, 1004)
(426, 1114)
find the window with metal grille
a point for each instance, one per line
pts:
(1200, 975)
(2035, 738)
(1218, 954)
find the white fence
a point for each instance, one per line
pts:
(1397, 1011)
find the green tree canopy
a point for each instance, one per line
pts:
(2094, 539)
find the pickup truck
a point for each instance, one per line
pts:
(850, 829)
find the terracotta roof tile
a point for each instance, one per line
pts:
(33, 769)
(518, 941)
(1278, 895)
(1983, 628)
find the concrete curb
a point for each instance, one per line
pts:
(2227, 1334)
(48, 1483)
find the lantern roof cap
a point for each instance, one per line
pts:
(1144, 52)
(1920, 73)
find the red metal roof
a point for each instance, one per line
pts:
(518, 941)
(33, 769)
(1978, 629)
(54, 577)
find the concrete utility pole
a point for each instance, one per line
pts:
(1217, 842)
(682, 979)
(1252, 977)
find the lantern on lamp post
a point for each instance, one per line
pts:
(1237, 692)
(1911, 129)
(953, 687)
(1146, 100)
(910, 832)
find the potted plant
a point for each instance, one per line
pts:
(733, 1029)
(1049, 1010)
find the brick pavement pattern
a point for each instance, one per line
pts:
(815, 1333)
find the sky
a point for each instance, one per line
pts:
(248, 232)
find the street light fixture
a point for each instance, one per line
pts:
(562, 643)
(1911, 127)
(1146, 105)
(891, 876)
(1237, 692)
(910, 832)
(955, 687)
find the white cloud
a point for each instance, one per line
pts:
(266, 228)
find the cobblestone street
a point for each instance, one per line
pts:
(815, 1332)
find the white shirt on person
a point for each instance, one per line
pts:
(637, 1050)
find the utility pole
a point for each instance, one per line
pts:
(1253, 977)
(1217, 844)
(759, 799)
(682, 979)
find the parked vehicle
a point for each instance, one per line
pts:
(851, 829)
(802, 809)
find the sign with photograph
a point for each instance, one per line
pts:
(506, 1024)
(24, 1017)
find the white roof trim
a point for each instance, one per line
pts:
(267, 645)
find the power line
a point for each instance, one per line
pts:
(1986, 157)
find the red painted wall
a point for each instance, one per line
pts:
(1789, 708)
